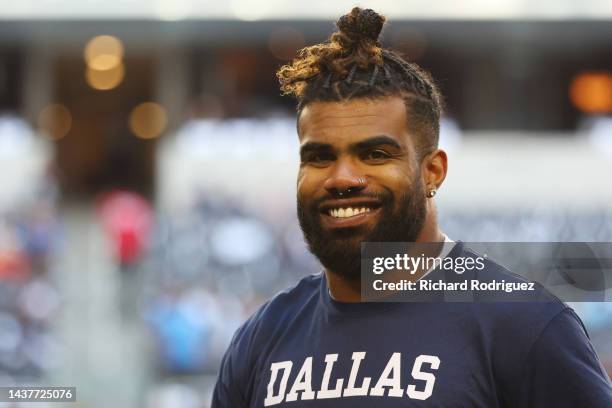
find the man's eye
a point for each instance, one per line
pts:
(318, 158)
(377, 155)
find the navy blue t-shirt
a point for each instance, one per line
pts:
(303, 349)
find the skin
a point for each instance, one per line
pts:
(364, 144)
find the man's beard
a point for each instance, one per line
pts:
(340, 251)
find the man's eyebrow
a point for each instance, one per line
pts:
(376, 141)
(314, 147)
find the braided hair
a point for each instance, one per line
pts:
(353, 64)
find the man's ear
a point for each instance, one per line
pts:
(433, 168)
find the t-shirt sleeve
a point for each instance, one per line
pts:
(229, 390)
(562, 369)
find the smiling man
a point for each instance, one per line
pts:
(368, 125)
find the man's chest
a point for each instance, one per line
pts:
(373, 366)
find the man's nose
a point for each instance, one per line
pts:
(346, 179)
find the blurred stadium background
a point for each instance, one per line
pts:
(147, 165)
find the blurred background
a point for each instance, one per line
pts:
(148, 162)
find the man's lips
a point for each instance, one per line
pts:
(348, 212)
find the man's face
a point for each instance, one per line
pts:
(359, 179)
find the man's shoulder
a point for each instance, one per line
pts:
(258, 332)
(513, 314)
(283, 306)
(291, 299)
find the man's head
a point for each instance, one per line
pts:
(368, 124)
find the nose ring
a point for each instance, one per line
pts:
(360, 180)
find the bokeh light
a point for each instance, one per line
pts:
(54, 121)
(148, 120)
(103, 52)
(591, 92)
(105, 79)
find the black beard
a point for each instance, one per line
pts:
(340, 251)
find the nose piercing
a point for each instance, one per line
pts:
(348, 191)
(361, 181)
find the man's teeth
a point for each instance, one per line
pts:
(347, 212)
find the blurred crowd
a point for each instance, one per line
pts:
(29, 298)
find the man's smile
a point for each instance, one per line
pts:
(351, 212)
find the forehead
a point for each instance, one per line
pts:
(336, 122)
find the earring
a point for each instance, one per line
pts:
(431, 193)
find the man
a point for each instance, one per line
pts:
(368, 126)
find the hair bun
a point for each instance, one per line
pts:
(361, 24)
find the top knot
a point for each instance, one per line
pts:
(348, 55)
(361, 24)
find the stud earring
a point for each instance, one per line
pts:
(431, 193)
